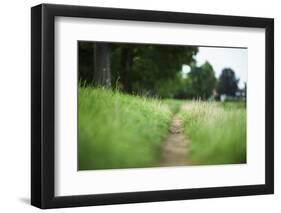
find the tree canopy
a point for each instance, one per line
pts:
(151, 70)
(136, 68)
(227, 83)
(202, 81)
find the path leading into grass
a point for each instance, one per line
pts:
(175, 146)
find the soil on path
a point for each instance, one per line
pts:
(175, 146)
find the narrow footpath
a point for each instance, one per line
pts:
(175, 146)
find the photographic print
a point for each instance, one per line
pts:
(181, 97)
(158, 105)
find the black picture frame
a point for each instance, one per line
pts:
(43, 102)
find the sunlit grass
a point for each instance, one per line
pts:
(118, 130)
(217, 132)
(126, 131)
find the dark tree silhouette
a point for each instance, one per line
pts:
(102, 72)
(126, 68)
(227, 83)
(86, 62)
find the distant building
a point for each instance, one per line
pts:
(240, 95)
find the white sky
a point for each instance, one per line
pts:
(220, 58)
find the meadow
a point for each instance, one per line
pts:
(127, 131)
(217, 132)
(120, 131)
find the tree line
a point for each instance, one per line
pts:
(151, 70)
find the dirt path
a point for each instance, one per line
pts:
(175, 146)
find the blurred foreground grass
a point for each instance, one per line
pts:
(120, 131)
(217, 132)
(125, 131)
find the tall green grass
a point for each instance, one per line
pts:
(174, 105)
(119, 131)
(217, 132)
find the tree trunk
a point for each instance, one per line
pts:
(102, 73)
(126, 63)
